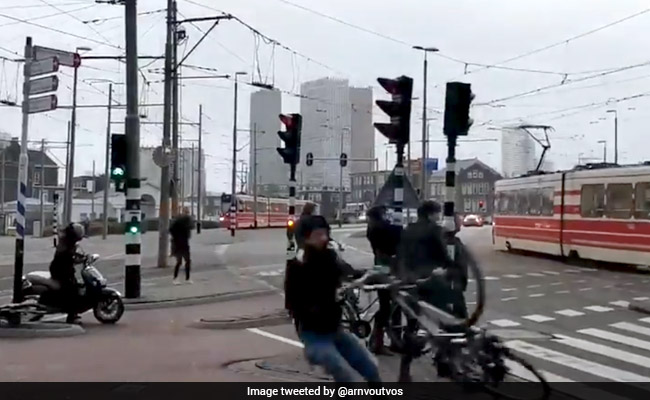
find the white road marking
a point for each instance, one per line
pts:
(533, 286)
(563, 292)
(585, 289)
(646, 319)
(579, 364)
(537, 295)
(347, 246)
(608, 351)
(263, 266)
(608, 286)
(538, 318)
(518, 370)
(511, 289)
(221, 249)
(504, 323)
(581, 281)
(535, 274)
(620, 303)
(509, 298)
(491, 278)
(615, 337)
(276, 337)
(551, 272)
(570, 313)
(556, 283)
(628, 284)
(628, 326)
(512, 276)
(641, 298)
(598, 308)
(471, 303)
(572, 271)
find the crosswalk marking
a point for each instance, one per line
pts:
(570, 313)
(508, 289)
(491, 278)
(615, 337)
(534, 274)
(598, 308)
(641, 298)
(536, 295)
(627, 326)
(538, 318)
(519, 371)
(608, 351)
(646, 319)
(620, 303)
(551, 272)
(504, 323)
(572, 271)
(513, 276)
(579, 364)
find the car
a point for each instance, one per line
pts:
(472, 220)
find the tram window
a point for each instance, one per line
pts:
(547, 201)
(592, 201)
(523, 204)
(240, 206)
(534, 201)
(619, 200)
(261, 206)
(642, 199)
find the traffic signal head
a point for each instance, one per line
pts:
(118, 159)
(457, 103)
(398, 109)
(290, 153)
(481, 204)
(133, 226)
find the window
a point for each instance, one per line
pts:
(481, 188)
(592, 201)
(480, 175)
(469, 175)
(619, 200)
(468, 205)
(521, 200)
(547, 200)
(642, 199)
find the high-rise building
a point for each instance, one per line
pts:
(517, 152)
(266, 106)
(363, 132)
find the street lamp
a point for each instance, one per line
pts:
(423, 183)
(604, 143)
(233, 202)
(615, 135)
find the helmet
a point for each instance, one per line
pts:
(74, 232)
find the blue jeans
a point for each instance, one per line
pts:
(340, 354)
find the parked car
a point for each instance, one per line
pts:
(472, 220)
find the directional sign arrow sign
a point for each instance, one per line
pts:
(44, 85)
(66, 58)
(41, 104)
(46, 66)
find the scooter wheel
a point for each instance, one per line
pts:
(109, 309)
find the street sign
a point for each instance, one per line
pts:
(344, 160)
(41, 104)
(310, 159)
(44, 85)
(46, 66)
(66, 58)
(162, 157)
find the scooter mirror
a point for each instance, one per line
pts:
(94, 258)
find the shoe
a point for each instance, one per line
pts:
(189, 281)
(73, 319)
(176, 281)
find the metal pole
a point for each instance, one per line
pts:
(2, 179)
(254, 167)
(132, 125)
(73, 130)
(107, 161)
(398, 192)
(423, 179)
(376, 177)
(200, 184)
(341, 183)
(92, 200)
(22, 178)
(449, 214)
(55, 218)
(67, 179)
(174, 102)
(408, 175)
(233, 201)
(616, 138)
(165, 185)
(41, 207)
(192, 184)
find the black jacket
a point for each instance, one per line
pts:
(384, 239)
(310, 290)
(181, 229)
(62, 265)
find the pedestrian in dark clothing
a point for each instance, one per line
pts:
(311, 291)
(62, 268)
(307, 211)
(384, 238)
(181, 230)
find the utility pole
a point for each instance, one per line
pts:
(175, 70)
(2, 179)
(165, 187)
(340, 218)
(107, 161)
(41, 207)
(68, 180)
(233, 188)
(192, 184)
(254, 168)
(92, 200)
(132, 131)
(22, 178)
(200, 184)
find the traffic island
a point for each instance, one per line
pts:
(279, 317)
(31, 330)
(642, 306)
(207, 287)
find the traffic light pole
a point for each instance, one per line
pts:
(291, 245)
(449, 213)
(132, 125)
(107, 160)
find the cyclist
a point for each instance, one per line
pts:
(384, 238)
(311, 298)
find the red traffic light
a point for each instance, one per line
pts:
(287, 120)
(480, 203)
(391, 85)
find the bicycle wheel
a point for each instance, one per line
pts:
(515, 368)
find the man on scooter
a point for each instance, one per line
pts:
(62, 268)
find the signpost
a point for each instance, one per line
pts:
(46, 66)
(41, 104)
(44, 85)
(67, 58)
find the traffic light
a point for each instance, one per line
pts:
(118, 160)
(290, 153)
(480, 204)
(133, 226)
(291, 228)
(457, 103)
(398, 109)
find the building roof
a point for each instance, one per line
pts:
(462, 165)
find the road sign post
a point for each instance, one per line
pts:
(67, 58)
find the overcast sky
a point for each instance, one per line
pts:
(596, 66)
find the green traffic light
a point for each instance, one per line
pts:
(133, 229)
(118, 171)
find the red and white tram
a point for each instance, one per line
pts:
(271, 211)
(595, 212)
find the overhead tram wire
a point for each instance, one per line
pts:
(87, 6)
(71, 15)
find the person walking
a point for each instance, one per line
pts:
(181, 230)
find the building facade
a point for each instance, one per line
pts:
(366, 185)
(362, 141)
(265, 107)
(517, 152)
(474, 187)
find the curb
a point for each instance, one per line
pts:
(196, 300)
(358, 234)
(30, 330)
(640, 306)
(244, 322)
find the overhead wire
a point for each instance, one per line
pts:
(56, 14)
